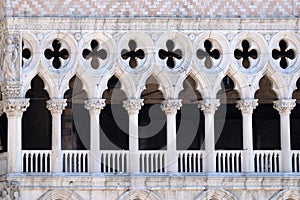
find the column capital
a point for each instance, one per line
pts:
(15, 107)
(209, 106)
(284, 106)
(170, 106)
(56, 105)
(247, 105)
(133, 105)
(94, 104)
(11, 90)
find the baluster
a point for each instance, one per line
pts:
(262, 163)
(276, 158)
(142, 162)
(161, 162)
(180, 162)
(229, 169)
(223, 156)
(272, 168)
(84, 156)
(185, 162)
(31, 162)
(27, 162)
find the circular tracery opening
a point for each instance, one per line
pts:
(56, 54)
(171, 54)
(95, 54)
(246, 54)
(132, 54)
(208, 54)
(284, 54)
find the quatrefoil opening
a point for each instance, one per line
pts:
(284, 54)
(245, 54)
(26, 54)
(132, 54)
(208, 54)
(171, 55)
(56, 54)
(95, 54)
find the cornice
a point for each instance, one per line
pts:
(159, 24)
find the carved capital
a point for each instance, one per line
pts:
(56, 105)
(11, 190)
(133, 105)
(15, 107)
(94, 104)
(209, 106)
(11, 89)
(284, 106)
(170, 106)
(247, 105)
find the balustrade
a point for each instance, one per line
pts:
(36, 161)
(267, 161)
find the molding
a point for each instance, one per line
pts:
(86, 23)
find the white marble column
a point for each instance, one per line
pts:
(209, 107)
(133, 106)
(246, 106)
(284, 107)
(56, 106)
(170, 107)
(94, 106)
(14, 109)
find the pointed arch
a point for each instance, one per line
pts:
(139, 194)
(60, 194)
(217, 194)
(279, 85)
(286, 194)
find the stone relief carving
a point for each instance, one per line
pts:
(11, 191)
(11, 68)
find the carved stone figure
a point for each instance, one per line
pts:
(11, 68)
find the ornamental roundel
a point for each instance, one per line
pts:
(29, 58)
(283, 50)
(248, 52)
(210, 52)
(135, 51)
(173, 52)
(97, 52)
(58, 54)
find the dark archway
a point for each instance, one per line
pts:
(228, 119)
(266, 120)
(114, 118)
(190, 119)
(152, 120)
(3, 133)
(36, 121)
(75, 118)
(295, 120)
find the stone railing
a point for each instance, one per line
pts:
(3, 163)
(190, 161)
(152, 161)
(75, 161)
(229, 161)
(267, 161)
(37, 161)
(114, 161)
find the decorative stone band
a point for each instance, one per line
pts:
(94, 104)
(247, 105)
(284, 106)
(209, 106)
(11, 89)
(15, 107)
(133, 105)
(171, 106)
(56, 105)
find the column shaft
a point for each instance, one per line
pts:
(246, 106)
(56, 107)
(209, 106)
(94, 106)
(170, 107)
(284, 107)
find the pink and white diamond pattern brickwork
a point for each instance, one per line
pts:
(154, 8)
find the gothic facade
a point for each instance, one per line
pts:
(149, 100)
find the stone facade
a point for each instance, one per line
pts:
(247, 41)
